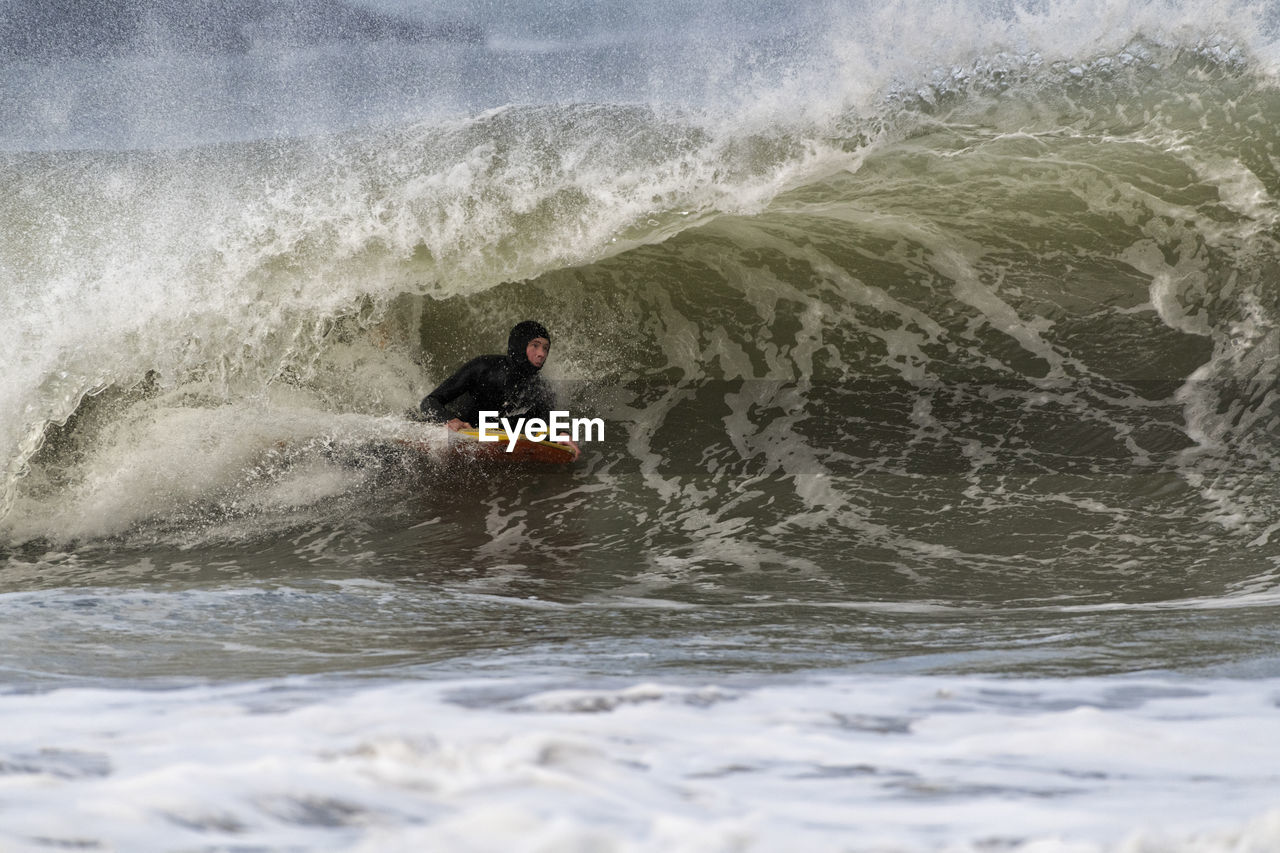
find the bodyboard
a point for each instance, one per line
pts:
(468, 441)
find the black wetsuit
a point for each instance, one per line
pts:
(507, 384)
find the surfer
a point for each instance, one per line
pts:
(508, 384)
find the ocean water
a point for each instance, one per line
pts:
(936, 346)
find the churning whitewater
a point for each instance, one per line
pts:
(935, 352)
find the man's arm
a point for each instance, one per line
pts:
(463, 380)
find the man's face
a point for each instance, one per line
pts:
(537, 351)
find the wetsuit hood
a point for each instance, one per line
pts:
(518, 342)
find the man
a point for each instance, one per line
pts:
(507, 384)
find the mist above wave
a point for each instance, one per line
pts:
(77, 29)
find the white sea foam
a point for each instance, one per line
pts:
(917, 764)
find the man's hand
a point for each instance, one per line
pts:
(457, 423)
